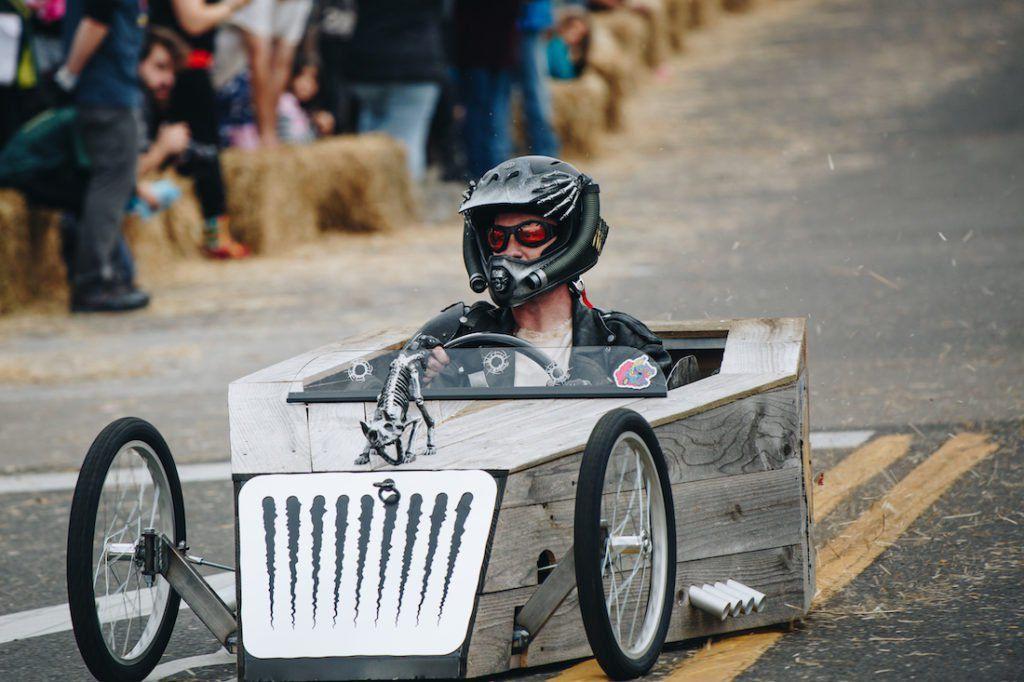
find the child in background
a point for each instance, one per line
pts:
(299, 118)
(567, 49)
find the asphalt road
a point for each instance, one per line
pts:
(860, 162)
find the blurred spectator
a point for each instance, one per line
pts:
(103, 40)
(301, 116)
(193, 102)
(487, 55)
(18, 75)
(534, 21)
(395, 61)
(567, 49)
(47, 24)
(272, 29)
(236, 116)
(330, 28)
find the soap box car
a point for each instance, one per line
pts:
(554, 522)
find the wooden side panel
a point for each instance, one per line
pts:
(758, 433)
(778, 572)
(713, 518)
(268, 435)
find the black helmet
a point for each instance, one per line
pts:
(538, 184)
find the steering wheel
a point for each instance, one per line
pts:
(557, 374)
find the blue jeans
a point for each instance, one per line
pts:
(533, 83)
(403, 111)
(485, 94)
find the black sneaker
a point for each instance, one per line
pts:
(108, 298)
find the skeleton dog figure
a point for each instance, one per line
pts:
(390, 419)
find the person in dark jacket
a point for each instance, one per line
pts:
(532, 228)
(193, 102)
(103, 40)
(487, 56)
(396, 60)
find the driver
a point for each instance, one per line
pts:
(532, 226)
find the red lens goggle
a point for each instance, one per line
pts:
(528, 233)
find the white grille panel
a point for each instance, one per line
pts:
(327, 569)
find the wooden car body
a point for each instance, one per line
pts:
(738, 456)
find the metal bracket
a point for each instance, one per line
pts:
(197, 593)
(545, 600)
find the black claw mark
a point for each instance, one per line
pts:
(340, 528)
(415, 506)
(436, 519)
(292, 509)
(269, 531)
(390, 512)
(461, 514)
(365, 518)
(317, 515)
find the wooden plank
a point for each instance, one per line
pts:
(267, 434)
(528, 443)
(775, 571)
(714, 517)
(757, 433)
(335, 437)
(764, 345)
(674, 329)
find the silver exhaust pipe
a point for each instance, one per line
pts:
(746, 600)
(758, 597)
(735, 603)
(709, 602)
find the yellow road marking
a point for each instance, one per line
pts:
(840, 481)
(879, 527)
(855, 470)
(842, 559)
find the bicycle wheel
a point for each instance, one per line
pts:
(122, 619)
(625, 544)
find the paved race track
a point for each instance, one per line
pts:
(857, 161)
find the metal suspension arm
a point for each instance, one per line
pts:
(161, 556)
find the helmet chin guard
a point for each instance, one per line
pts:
(543, 186)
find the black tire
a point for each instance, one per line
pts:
(83, 548)
(590, 546)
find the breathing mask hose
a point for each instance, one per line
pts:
(583, 253)
(471, 257)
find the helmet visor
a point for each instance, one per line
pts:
(529, 233)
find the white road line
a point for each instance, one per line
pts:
(220, 657)
(839, 440)
(35, 483)
(51, 619)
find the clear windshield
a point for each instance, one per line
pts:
(489, 372)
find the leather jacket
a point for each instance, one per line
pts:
(607, 335)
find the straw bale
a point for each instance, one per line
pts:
(580, 107)
(360, 182)
(704, 12)
(656, 42)
(619, 69)
(267, 202)
(30, 262)
(630, 30)
(287, 195)
(14, 250)
(739, 5)
(678, 17)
